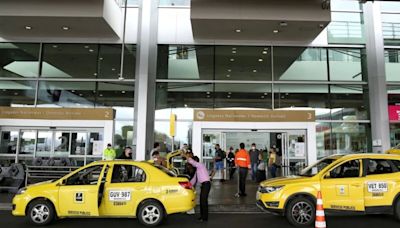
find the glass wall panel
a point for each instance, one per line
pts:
(20, 60)
(87, 61)
(119, 94)
(66, 94)
(61, 143)
(350, 138)
(349, 102)
(392, 65)
(183, 95)
(242, 95)
(28, 142)
(345, 5)
(185, 62)
(8, 142)
(243, 63)
(174, 2)
(303, 97)
(123, 135)
(394, 95)
(44, 143)
(323, 141)
(17, 93)
(183, 134)
(346, 28)
(394, 134)
(391, 28)
(78, 143)
(300, 63)
(390, 6)
(95, 137)
(345, 65)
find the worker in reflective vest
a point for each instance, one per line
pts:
(242, 162)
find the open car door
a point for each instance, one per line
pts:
(80, 194)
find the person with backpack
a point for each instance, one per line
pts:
(219, 158)
(230, 161)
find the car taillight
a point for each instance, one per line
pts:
(186, 185)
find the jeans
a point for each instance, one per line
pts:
(205, 190)
(254, 171)
(242, 180)
(272, 171)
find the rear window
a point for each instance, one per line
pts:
(379, 166)
(166, 171)
(396, 163)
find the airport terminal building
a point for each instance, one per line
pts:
(312, 77)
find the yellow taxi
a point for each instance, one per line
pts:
(357, 183)
(119, 188)
(394, 150)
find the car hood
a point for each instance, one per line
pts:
(284, 180)
(40, 184)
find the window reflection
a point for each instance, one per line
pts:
(28, 141)
(17, 93)
(8, 142)
(19, 60)
(345, 65)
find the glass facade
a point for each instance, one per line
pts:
(65, 76)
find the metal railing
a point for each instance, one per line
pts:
(391, 31)
(43, 173)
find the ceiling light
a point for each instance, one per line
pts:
(65, 28)
(101, 58)
(265, 49)
(100, 95)
(260, 60)
(233, 52)
(232, 60)
(185, 105)
(229, 70)
(283, 97)
(228, 75)
(123, 91)
(28, 27)
(15, 93)
(283, 24)
(208, 96)
(208, 92)
(262, 97)
(80, 94)
(55, 46)
(73, 91)
(233, 48)
(113, 69)
(86, 46)
(287, 94)
(228, 96)
(254, 71)
(265, 52)
(265, 94)
(238, 30)
(229, 93)
(91, 50)
(276, 31)
(95, 74)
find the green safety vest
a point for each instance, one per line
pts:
(109, 154)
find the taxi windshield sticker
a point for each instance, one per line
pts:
(377, 187)
(119, 195)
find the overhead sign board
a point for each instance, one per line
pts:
(57, 113)
(254, 115)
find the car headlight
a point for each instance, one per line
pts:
(269, 189)
(21, 191)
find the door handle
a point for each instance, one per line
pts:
(356, 185)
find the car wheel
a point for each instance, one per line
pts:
(150, 213)
(41, 212)
(300, 212)
(397, 209)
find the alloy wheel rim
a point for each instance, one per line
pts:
(151, 214)
(302, 212)
(40, 213)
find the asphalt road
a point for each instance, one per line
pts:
(215, 220)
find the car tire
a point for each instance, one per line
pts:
(397, 209)
(300, 212)
(151, 213)
(41, 212)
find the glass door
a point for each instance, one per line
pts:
(296, 151)
(209, 139)
(44, 143)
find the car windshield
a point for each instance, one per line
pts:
(165, 170)
(317, 167)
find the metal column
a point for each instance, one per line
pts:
(146, 66)
(378, 101)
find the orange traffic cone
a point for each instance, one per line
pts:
(320, 214)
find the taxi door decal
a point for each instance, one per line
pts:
(79, 197)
